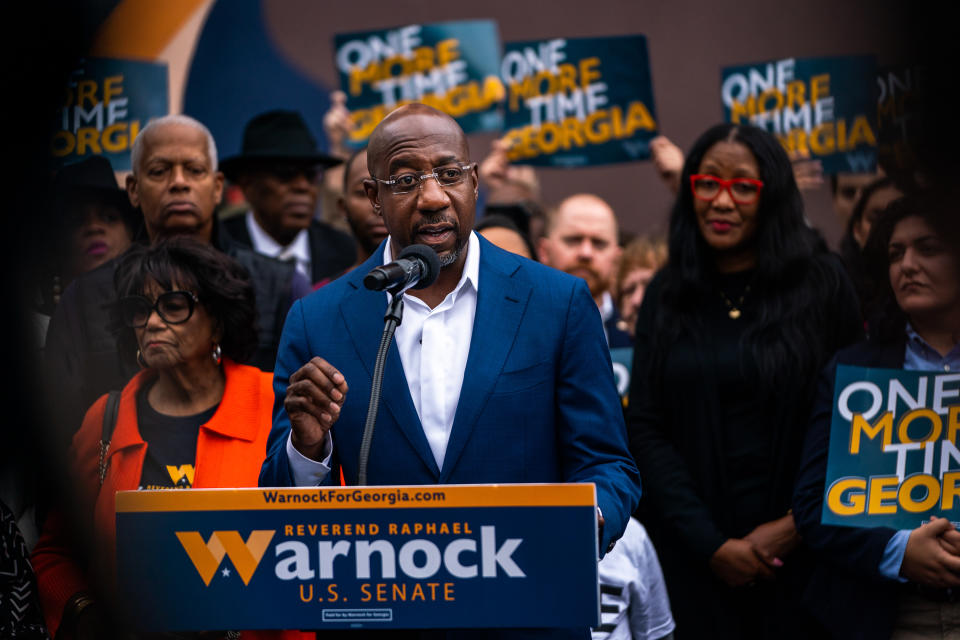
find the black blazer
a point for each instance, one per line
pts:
(846, 592)
(331, 251)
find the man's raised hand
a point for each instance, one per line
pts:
(314, 397)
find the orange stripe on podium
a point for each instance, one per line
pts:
(414, 497)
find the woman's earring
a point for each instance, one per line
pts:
(140, 360)
(217, 353)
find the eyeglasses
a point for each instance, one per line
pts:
(446, 176)
(742, 190)
(173, 307)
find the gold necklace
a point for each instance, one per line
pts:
(733, 310)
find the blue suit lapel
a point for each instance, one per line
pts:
(362, 312)
(501, 301)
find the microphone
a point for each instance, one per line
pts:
(417, 267)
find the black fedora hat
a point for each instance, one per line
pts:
(277, 135)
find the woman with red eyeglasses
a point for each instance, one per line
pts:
(730, 337)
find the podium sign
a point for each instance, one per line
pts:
(440, 556)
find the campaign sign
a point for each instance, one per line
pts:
(440, 556)
(622, 360)
(893, 458)
(107, 102)
(899, 107)
(822, 106)
(573, 102)
(451, 66)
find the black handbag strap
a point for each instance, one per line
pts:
(109, 424)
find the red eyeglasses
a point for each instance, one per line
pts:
(742, 190)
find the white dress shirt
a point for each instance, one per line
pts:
(264, 243)
(433, 345)
(606, 312)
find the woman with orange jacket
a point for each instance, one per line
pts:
(193, 418)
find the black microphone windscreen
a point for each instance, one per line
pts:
(429, 258)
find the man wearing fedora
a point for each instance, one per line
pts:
(278, 170)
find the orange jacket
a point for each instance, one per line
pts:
(230, 450)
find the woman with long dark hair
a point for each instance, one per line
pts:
(729, 339)
(878, 582)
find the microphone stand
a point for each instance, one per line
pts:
(392, 320)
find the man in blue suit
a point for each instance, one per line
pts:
(499, 372)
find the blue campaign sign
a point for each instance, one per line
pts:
(451, 66)
(824, 106)
(893, 459)
(107, 102)
(899, 116)
(578, 101)
(350, 557)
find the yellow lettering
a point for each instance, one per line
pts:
(568, 78)
(111, 88)
(447, 51)
(903, 428)
(819, 87)
(795, 93)
(882, 488)
(953, 423)
(589, 71)
(764, 97)
(571, 133)
(638, 118)
(87, 137)
(423, 58)
(821, 139)
(861, 132)
(744, 110)
(950, 489)
(417, 590)
(86, 91)
(358, 77)
(920, 480)
(855, 501)
(884, 423)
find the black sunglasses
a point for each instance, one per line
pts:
(173, 307)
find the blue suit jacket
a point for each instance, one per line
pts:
(538, 402)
